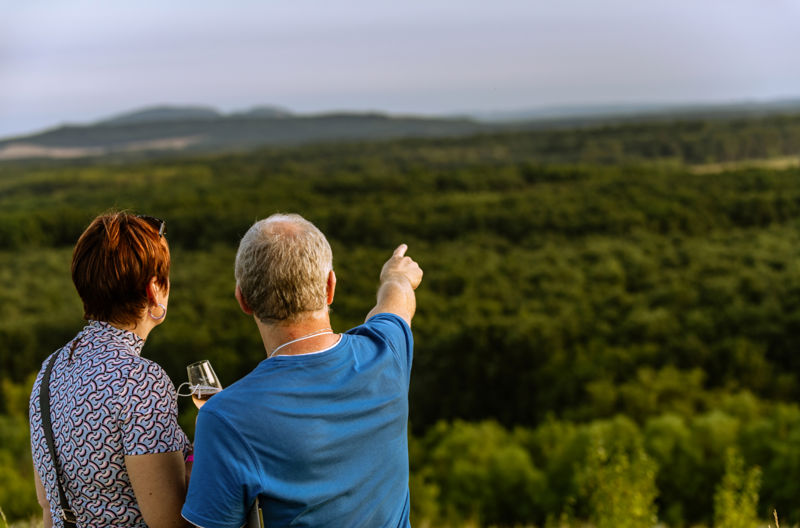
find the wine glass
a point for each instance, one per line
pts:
(203, 382)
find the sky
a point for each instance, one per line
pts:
(75, 61)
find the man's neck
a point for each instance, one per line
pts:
(314, 327)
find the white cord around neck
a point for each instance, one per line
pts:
(307, 336)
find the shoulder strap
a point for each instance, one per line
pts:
(67, 515)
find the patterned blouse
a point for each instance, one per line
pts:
(105, 403)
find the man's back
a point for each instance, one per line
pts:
(321, 438)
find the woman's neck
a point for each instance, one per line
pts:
(141, 327)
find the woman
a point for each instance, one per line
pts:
(120, 450)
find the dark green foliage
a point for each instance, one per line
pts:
(577, 285)
(480, 473)
(736, 497)
(621, 487)
(17, 495)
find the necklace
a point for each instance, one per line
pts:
(303, 338)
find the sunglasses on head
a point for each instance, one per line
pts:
(157, 223)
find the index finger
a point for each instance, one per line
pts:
(400, 251)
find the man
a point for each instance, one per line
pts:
(317, 432)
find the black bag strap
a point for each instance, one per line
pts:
(67, 515)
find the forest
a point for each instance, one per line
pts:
(607, 330)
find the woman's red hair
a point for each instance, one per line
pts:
(113, 261)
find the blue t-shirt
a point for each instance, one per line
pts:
(320, 439)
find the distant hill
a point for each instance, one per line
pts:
(193, 129)
(642, 111)
(265, 111)
(165, 129)
(162, 114)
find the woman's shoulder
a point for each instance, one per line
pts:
(124, 371)
(146, 385)
(118, 362)
(143, 369)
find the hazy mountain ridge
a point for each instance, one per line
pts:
(160, 114)
(201, 129)
(228, 133)
(642, 110)
(166, 128)
(169, 113)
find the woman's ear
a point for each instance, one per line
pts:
(153, 290)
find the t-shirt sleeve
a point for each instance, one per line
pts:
(396, 333)
(149, 412)
(222, 470)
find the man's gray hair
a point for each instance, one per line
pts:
(282, 268)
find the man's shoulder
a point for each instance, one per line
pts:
(382, 320)
(385, 326)
(388, 331)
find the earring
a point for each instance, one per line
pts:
(163, 314)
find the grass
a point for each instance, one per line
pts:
(33, 522)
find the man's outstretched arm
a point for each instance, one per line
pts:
(400, 276)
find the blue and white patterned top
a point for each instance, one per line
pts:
(106, 402)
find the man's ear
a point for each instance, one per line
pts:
(331, 287)
(242, 303)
